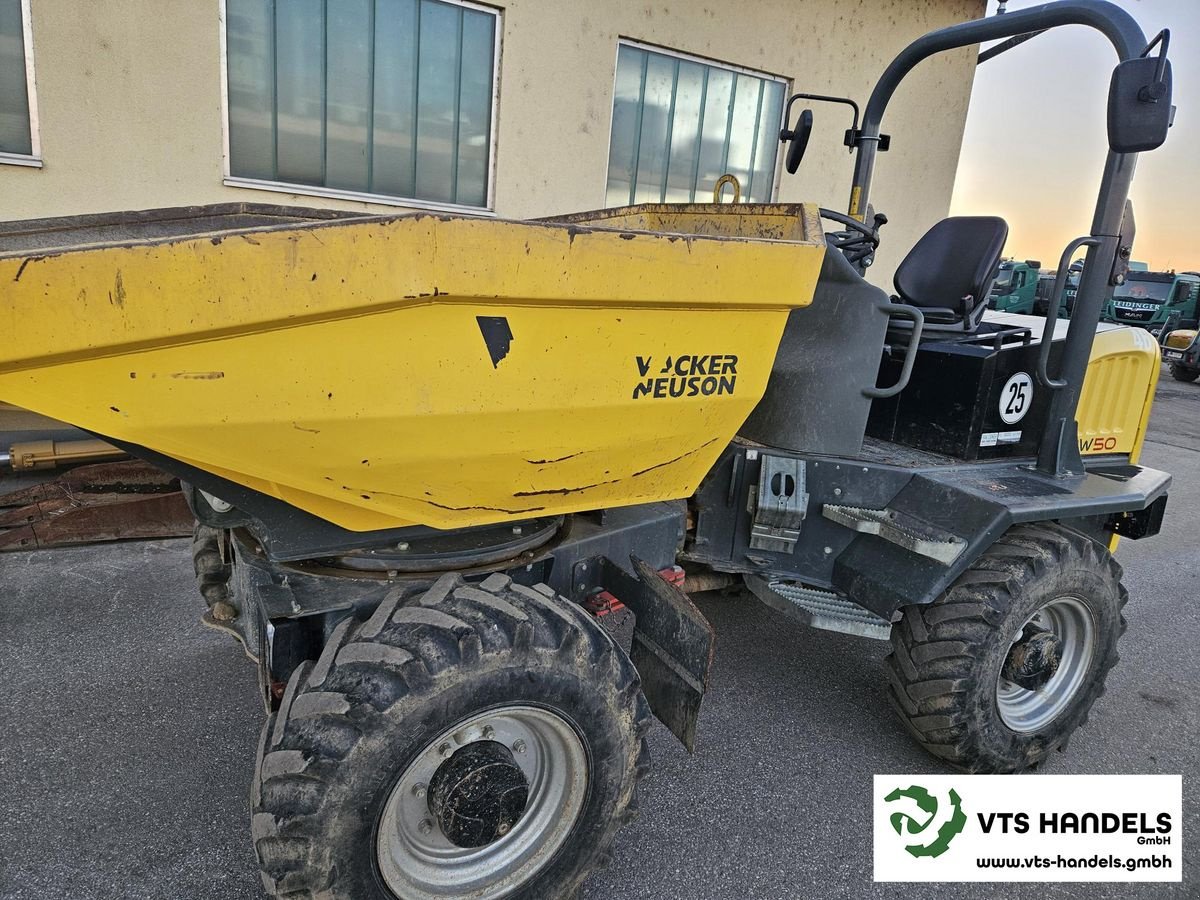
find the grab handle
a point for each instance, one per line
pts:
(910, 355)
(1060, 285)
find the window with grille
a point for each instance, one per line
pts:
(680, 123)
(18, 134)
(382, 97)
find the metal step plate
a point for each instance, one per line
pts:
(900, 529)
(819, 609)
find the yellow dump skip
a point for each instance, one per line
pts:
(420, 370)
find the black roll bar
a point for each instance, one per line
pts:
(1109, 241)
(1115, 23)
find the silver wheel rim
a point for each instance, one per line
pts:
(1071, 621)
(417, 861)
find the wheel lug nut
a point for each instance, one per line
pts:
(519, 746)
(488, 732)
(426, 826)
(444, 749)
(419, 791)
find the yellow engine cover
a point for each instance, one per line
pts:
(433, 370)
(1118, 391)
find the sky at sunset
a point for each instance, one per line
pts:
(1035, 141)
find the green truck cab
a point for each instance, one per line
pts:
(1015, 287)
(1160, 302)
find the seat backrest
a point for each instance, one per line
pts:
(956, 258)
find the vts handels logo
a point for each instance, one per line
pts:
(921, 814)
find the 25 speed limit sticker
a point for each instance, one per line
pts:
(1016, 398)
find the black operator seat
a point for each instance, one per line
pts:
(949, 272)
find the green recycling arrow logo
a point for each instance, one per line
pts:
(916, 824)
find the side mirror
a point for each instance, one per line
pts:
(798, 138)
(1139, 105)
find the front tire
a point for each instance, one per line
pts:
(211, 561)
(1183, 373)
(370, 776)
(1001, 670)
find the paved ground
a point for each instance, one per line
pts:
(127, 732)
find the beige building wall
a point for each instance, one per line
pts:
(131, 114)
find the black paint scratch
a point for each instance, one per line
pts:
(546, 462)
(564, 490)
(674, 459)
(26, 261)
(588, 487)
(499, 509)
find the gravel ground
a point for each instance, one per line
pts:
(127, 733)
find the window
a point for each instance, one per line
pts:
(392, 98)
(18, 127)
(679, 124)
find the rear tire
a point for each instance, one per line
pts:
(948, 659)
(334, 816)
(1182, 373)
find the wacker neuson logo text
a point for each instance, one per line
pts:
(1028, 828)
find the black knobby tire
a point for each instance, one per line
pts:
(1183, 373)
(383, 689)
(947, 657)
(212, 569)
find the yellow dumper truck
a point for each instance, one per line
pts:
(423, 450)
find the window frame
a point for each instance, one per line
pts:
(776, 176)
(34, 159)
(309, 190)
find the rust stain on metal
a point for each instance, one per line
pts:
(128, 518)
(117, 295)
(93, 504)
(198, 376)
(127, 477)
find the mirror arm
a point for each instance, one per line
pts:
(786, 134)
(1152, 93)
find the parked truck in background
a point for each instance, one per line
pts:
(1045, 288)
(1015, 287)
(1181, 353)
(1160, 302)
